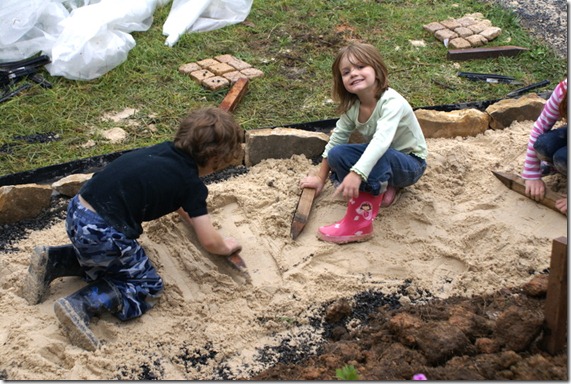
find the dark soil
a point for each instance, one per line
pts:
(496, 337)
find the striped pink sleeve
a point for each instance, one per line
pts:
(548, 117)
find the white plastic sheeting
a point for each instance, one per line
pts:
(87, 38)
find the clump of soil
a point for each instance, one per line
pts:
(496, 337)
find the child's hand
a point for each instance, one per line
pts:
(535, 189)
(312, 181)
(232, 245)
(349, 188)
(561, 204)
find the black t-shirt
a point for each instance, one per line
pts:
(144, 185)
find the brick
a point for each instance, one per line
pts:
(450, 24)
(444, 34)
(252, 73)
(233, 76)
(200, 75)
(459, 43)
(466, 21)
(464, 32)
(491, 33)
(225, 58)
(220, 69)
(433, 27)
(188, 68)
(477, 40)
(239, 64)
(207, 63)
(215, 83)
(480, 26)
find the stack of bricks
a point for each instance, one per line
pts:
(219, 72)
(471, 30)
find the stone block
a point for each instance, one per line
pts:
(206, 63)
(505, 112)
(239, 64)
(188, 68)
(477, 40)
(200, 75)
(220, 69)
(225, 58)
(433, 27)
(459, 43)
(451, 24)
(215, 83)
(282, 143)
(70, 185)
(444, 34)
(463, 32)
(233, 76)
(464, 122)
(252, 73)
(20, 202)
(491, 33)
(480, 26)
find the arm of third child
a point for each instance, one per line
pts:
(209, 237)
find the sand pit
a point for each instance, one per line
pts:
(459, 231)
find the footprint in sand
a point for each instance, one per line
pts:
(445, 273)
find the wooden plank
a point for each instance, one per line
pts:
(555, 330)
(302, 212)
(484, 52)
(234, 95)
(517, 184)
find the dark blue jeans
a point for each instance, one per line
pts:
(552, 147)
(105, 253)
(393, 168)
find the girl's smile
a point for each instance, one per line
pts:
(357, 77)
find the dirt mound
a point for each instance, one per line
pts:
(493, 337)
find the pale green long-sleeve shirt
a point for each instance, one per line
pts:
(392, 124)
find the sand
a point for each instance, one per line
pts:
(458, 231)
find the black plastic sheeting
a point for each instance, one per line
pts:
(53, 173)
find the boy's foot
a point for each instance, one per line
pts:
(36, 284)
(391, 195)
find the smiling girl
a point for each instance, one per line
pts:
(392, 157)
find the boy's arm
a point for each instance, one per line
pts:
(208, 236)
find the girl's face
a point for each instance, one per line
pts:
(357, 78)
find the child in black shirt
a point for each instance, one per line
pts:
(104, 221)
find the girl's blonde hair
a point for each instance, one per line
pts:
(357, 53)
(211, 136)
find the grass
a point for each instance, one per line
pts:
(293, 42)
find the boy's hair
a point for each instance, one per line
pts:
(210, 134)
(364, 54)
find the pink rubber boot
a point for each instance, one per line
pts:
(357, 225)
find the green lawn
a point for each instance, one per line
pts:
(293, 42)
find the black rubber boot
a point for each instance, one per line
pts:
(76, 310)
(47, 264)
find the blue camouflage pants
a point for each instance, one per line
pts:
(106, 253)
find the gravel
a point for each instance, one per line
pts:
(546, 20)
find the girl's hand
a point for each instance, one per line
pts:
(312, 181)
(535, 189)
(349, 188)
(561, 204)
